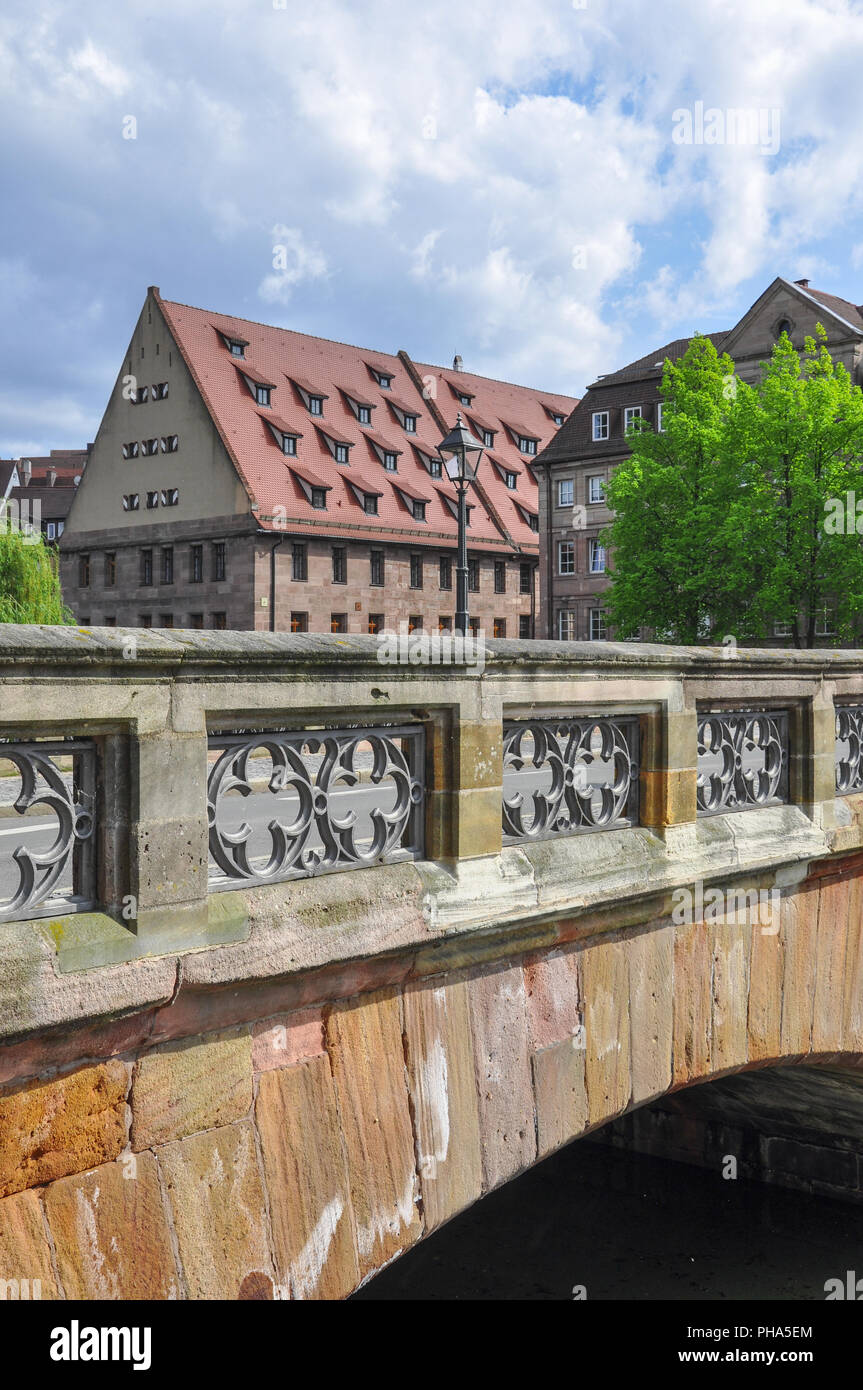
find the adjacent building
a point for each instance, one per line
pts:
(246, 476)
(40, 491)
(575, 465)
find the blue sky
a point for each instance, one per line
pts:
(497, 179)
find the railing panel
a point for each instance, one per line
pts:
(849, 748)
(562, 776)
(742, 760)
(289, 804)
(46, 856)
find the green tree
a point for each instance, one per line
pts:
(29, 579)
(666, 498)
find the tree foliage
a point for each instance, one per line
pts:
(742, 512)
(29, 580)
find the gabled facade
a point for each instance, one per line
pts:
(247, 476)
(574, 467)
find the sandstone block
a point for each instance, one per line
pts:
(51, 1128)
(199, 1083)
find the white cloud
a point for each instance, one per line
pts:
(293, 262)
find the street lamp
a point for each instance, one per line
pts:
(460, 454)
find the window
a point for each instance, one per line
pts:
(370, 504)
(473, 576)
(473, 624)
(340, 564)
(630, 414)
(600, 425)
(444, 623)
(525, 579)
(110, 567)
(783, 326)
(196, 566)
(218, 560)
(364, 414)
(50, 530)
(566, 492)
(338, 622)
(167, 564)
(558, 420)
(419, 510)
(299, 622)
(416, 571)
(341, 454)
(166, 620)
(465, 400)
(566, 557)
(170, 443)
(146, 568)
(170, 496)
(319, 498)
(499, 627)
(781, 629)
(659, 425)
(84, 571)
(488, 438)
(289, 444)
(566, 625)
(160, 391)
(435, 468)
(220, 621)
(391, 462)
(376, 568)
(596, 552)
(237, 349)
(299, 561)
(142, 393)
(262, 394)
(85, 621)
(382, 380)
(130, 502)
(152, 501)
(376, 622)
(130, 450)
(825, 622)
(415, 622)
(500, 576)
(149, 447)
(511, 480)
(410, 424)
(145, 620)
(61, 526)
(316, 405)
(524, 625)
(533, 521)
(598, 630)
(594, 489)
(196, 620)
(526, 446)
(445, 572)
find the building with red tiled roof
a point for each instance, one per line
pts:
(42, 488)
(249, 476)
(574, 467)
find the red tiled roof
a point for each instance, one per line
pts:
(307, 475)
(321, 367)
(249, 371)
(409, 489)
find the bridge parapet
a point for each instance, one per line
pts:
(531, 895)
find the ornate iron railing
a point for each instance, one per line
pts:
(562, 776)
(742, 760)
(321, 800)
(47, 862)
(849, 748)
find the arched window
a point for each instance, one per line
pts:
(783, 326)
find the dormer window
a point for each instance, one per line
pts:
(419, 510)
(391, 462)
(262, 394)
(237, 348)
(659, 425)
(364, 414)
(370, 503)
(533, 521)
(384, 381)
(558, 420)
(465, 400)
(511, 480)
(488, 438)
(341, 453)
(435, 468)
(410, 424)
(600, 426)
(319, 498)
(526, 445)
(289, 445)
(316, 405)
(630, 415)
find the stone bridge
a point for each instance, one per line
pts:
(303, 951)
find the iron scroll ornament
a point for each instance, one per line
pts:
(751, 748)
(849, 766)
(42, 784)
(593, 767)
(395, 832)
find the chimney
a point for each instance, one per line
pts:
(51, 477)
(26, 471)
(804, 284)
(457, 363)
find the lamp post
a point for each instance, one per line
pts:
(460, 454)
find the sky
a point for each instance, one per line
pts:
(549, 189)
